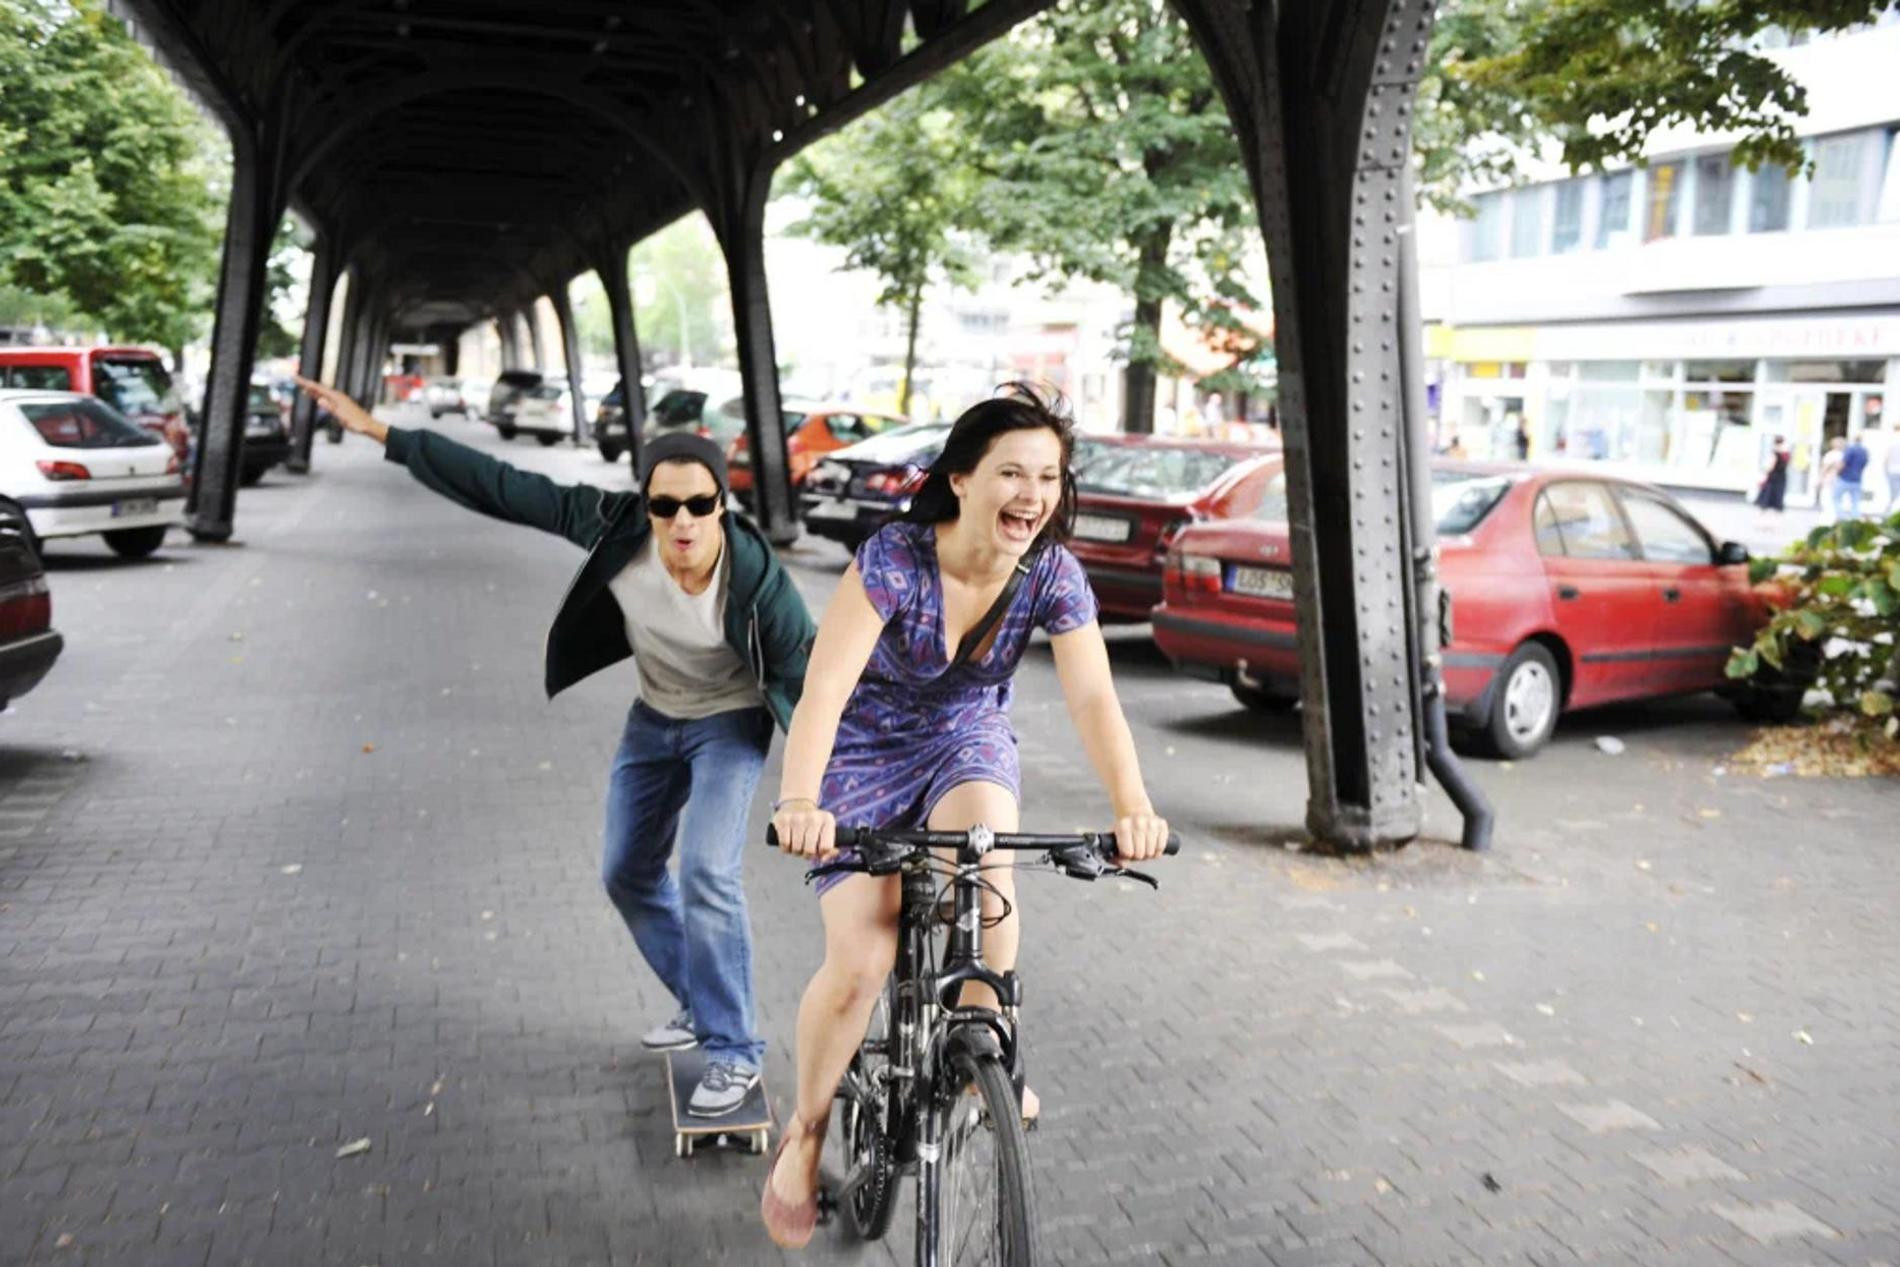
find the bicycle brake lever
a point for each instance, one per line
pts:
(1144, 877)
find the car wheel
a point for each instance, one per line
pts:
(609, 452)
(548, 441)
(249, 476)
(335, 432)
(506, 433)
(1259, 700)
(135, 543)
(1526, 696)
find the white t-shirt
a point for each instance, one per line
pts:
(687, 668)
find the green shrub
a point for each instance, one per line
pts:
(1840, 613)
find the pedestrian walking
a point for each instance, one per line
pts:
(1848, 478)
(1891, 465)
(719, 638)
(1829, 472)
(1772, 494)
(905, 723)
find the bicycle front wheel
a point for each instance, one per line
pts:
(986, 1206)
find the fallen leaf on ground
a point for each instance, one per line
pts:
(1802, 1036)
(369, 747)
(1850, 751)
(354, 1147)
(1709, 813)
(292, 868)
(1547, 1009)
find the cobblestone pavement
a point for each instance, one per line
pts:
(293, 853)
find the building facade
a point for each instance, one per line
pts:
(1670, 320)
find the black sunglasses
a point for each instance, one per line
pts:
(668, 507)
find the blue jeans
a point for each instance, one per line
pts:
(690, 782)
(1846, 499)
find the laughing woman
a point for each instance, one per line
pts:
(902, 725)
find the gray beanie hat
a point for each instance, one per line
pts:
(682, 446)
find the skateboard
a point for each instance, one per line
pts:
(749, 1126)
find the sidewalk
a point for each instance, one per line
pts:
(293, 853)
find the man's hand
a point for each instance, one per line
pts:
(346, 411)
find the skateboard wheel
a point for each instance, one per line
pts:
(679, 1146)
(758, 1142)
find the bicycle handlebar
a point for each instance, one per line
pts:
(1101, 842)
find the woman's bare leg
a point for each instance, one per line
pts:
(860, 917)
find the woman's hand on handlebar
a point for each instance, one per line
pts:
(805, 831)
(1140, 836)
(346, 411)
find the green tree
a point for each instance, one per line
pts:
(1595, 80)
(111, 188)
(896, 191)
(280, 332)
(1107, 155)
(682, 304)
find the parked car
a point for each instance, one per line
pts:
(686, 407)
(77, 467)
(444, 396)
(1564, 592)
(266, 434)
(28, 642)
(853, 490)
(1133, 499)
(504, 398)
(544, 412)
(610, 423)
(133, 381)
(810, 433)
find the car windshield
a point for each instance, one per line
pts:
(1461, 499)
(45, 378)
(547, 391)
(899, 445)
(133, 385)
(261, 399)
(679, 406)
(84, 424)
(1153, 471)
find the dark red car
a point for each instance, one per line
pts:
(1566, 591)
(1135, 496)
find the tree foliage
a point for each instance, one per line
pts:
(1842, 613)
(898, 193)
(110, 191)
(682, 308)
(1596, 80)
(1107, 155)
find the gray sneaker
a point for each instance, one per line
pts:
(722, 1088)
(675, 1035)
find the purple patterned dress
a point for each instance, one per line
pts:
(914, 728)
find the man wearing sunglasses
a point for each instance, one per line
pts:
(719, 637)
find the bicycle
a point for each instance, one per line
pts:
(935, 1088)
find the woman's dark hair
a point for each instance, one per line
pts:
(1014, 407)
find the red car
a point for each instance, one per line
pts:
(1136, 495)
(809, 436)
(131, 380)
(1566, 591)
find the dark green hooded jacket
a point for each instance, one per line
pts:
(766, 619)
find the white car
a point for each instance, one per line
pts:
(545, 413)
(78, 467)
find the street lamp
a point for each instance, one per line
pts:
(643, 292)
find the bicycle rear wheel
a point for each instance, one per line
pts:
(865, 1113)
(986, 1204)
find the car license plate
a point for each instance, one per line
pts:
(832, 510)
(1261, 582)
(134, 506)
(1102, 528)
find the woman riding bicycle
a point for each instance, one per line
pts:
(902, 725)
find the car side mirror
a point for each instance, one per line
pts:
(1732, 552)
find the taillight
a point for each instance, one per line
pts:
(1193, 573)
(1169, 532)
(63, 470)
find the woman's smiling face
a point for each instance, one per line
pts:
(1014, 490)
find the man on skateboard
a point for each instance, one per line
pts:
(719, 637)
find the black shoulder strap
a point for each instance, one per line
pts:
(981, 629)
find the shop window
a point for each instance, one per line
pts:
(1527, 222)
(1665, 189)
(1720, 371)
(1714, 193)
(1608, 371)
(1613, 214)
(1828, 371)
(1889, 209)
(1845, 180)
(1486, 231)
(1768, 199)
(1566, 229)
